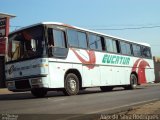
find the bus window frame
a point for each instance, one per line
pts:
(149, 51)
(77, 30)
(101, 38)
(140, 50)
(117, 45)
(129, 46)
(60, 28)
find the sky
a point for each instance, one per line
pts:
(136, 20)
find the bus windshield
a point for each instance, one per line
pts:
(26, 44)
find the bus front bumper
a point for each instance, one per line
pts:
(25, 84)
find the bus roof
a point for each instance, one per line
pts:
(78, 28)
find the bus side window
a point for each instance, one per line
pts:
(125, 48)
(77, 39)
(136, 50)
(95, 42)
(82, 40)
(146, 52)
(59, 38)
(57, 46)
(56, 38)
(112, 45)
(72, 38)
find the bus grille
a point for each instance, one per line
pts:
(22, 84)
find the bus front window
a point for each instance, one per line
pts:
(26, 43)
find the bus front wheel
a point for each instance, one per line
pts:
(39, 92)
(71, 84)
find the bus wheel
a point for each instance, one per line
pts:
(71, 84)
(133, 82)
(106, 88)
(39, 92)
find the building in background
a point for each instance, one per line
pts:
(4, 31)
(157, 69)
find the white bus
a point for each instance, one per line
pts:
(55, 56)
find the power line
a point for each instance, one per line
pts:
(129, 28)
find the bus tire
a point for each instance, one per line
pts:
(106, 88)
(71, 85)
(39, 92)
(133, 82)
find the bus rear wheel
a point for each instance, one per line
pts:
(39, 92)
(133, 82)
(71, 85)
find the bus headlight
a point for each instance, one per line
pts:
(36, 81)
(10, 84)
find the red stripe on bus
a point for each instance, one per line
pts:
(92, 58)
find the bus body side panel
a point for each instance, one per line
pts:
(90, 71)
(57, 70)
(149, 71)
(91, 77)
(106, 75)
(144, 69)
(117, 69)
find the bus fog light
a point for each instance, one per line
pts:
(10, 84)
(36, 81)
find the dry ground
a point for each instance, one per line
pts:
(150, 108)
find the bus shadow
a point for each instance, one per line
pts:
(15, 96)
(83, 92)
(28, 95)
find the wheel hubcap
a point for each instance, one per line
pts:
(134, 81)
(72, 84)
